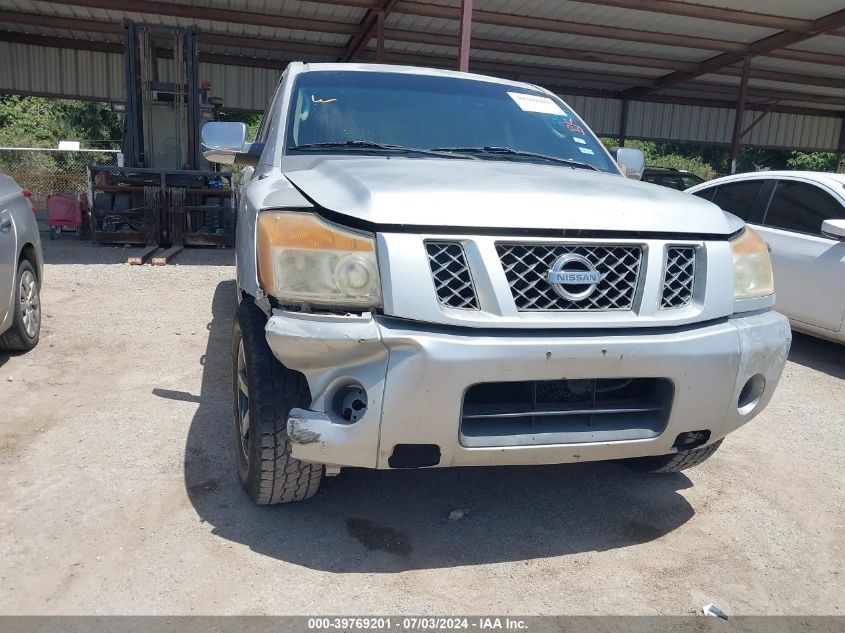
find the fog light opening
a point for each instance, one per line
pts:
(350, 403)
(751, 393)
(691, 439)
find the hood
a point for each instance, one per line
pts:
(499, 195)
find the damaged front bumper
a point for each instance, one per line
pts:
(414, 378)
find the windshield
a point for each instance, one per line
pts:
(357, 111)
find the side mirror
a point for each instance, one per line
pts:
(631, 161)
(834, 229)
(222, 141)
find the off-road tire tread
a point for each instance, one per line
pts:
(15, 339)
(274, 390)
(676, 462)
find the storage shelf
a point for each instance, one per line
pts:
(127, 188)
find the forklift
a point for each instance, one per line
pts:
(165, 196)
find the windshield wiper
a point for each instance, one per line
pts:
(372, 145)
(507, 151)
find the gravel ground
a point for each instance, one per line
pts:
(120, 496)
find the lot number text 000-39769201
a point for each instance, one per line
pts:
(411, 623)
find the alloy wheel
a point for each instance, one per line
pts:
(243, 403)
(30, 304)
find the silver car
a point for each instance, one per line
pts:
(802, 217)
(444, 269)
(21, 268)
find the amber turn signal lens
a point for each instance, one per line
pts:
(304, 259)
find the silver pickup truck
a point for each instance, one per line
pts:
(444, 269)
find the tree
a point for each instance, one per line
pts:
(817, 161)
(674, 155)
(41, 122)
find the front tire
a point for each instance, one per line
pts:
(676, 462)
(264, 393)
(23, 335)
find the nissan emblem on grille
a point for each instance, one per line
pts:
(573, 277)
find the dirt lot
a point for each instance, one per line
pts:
(120, 496)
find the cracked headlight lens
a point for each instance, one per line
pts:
(304, 259)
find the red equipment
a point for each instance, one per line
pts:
(28, 196)
(66, 211)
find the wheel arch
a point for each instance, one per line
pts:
(28, 253)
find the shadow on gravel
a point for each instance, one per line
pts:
(5, 356)
(381, 521)
(69, 250)
(814, 353)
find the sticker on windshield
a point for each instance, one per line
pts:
(577, 129)
(579, 140)
(536, 103)
(586, 150)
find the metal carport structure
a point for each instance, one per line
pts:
(768, 73)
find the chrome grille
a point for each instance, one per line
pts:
(527, 265)
(452, 279)
(678, 277)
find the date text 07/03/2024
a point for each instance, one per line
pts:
(417, 623)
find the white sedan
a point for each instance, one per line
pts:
(802, 217)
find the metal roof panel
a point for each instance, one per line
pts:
(627, 18)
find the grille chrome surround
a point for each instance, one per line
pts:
(451, 275)
(526, 268)
(678, 277)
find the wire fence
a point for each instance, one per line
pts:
(47, 171)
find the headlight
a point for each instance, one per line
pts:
(304, 259)
(752, 267)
